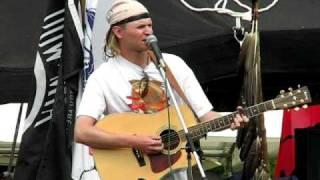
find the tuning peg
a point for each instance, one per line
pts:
(301, 101)
(305, 106)
(299, 86)
(296, 108)
(290, 89)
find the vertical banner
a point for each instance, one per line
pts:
(96, 26)
(83, 166)
(46, 146)
(90, 13)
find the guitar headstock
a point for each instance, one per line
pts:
(292, 98)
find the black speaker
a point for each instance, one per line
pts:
(308, 153)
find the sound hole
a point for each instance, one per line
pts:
(170, 139)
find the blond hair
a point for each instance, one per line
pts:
(111, 47)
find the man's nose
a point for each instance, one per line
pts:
(148, 30)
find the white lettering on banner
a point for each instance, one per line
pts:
(48, 105)
(51, 49)
(46, 69)
(56, 50)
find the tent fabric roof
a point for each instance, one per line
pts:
(289, 33)
(289, 36)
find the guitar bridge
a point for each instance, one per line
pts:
(139, 156)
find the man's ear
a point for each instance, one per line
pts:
(117, 31)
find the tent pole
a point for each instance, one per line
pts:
(8, 175)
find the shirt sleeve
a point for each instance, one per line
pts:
(93, 102)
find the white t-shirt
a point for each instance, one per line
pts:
(114, 86)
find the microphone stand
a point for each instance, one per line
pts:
(161, 66)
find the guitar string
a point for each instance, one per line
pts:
(203, 125)
(253, 109)
(176, 136)
(215, 121)
(195, 129)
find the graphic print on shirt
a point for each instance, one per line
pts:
(147, 96)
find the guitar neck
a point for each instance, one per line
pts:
(224, 122)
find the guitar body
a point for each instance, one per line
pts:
(128, 163)
(122, 163)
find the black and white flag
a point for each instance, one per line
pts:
(46, 146)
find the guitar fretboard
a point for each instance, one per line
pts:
(224, 122)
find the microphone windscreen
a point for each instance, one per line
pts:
(151, 39)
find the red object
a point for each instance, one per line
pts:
(303, 118)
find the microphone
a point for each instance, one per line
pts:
(152, 41)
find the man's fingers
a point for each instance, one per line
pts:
(240, 119)
(237, 120)
(240, 110)
(232, 127)
(242, 114)
(245, 119)
(156, 137)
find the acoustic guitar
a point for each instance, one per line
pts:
(128, 163)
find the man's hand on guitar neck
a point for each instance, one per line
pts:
(240, 119)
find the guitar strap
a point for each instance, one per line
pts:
(172, 80)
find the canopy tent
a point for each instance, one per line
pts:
(19, 35)
(289, 36)
(289, 33)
